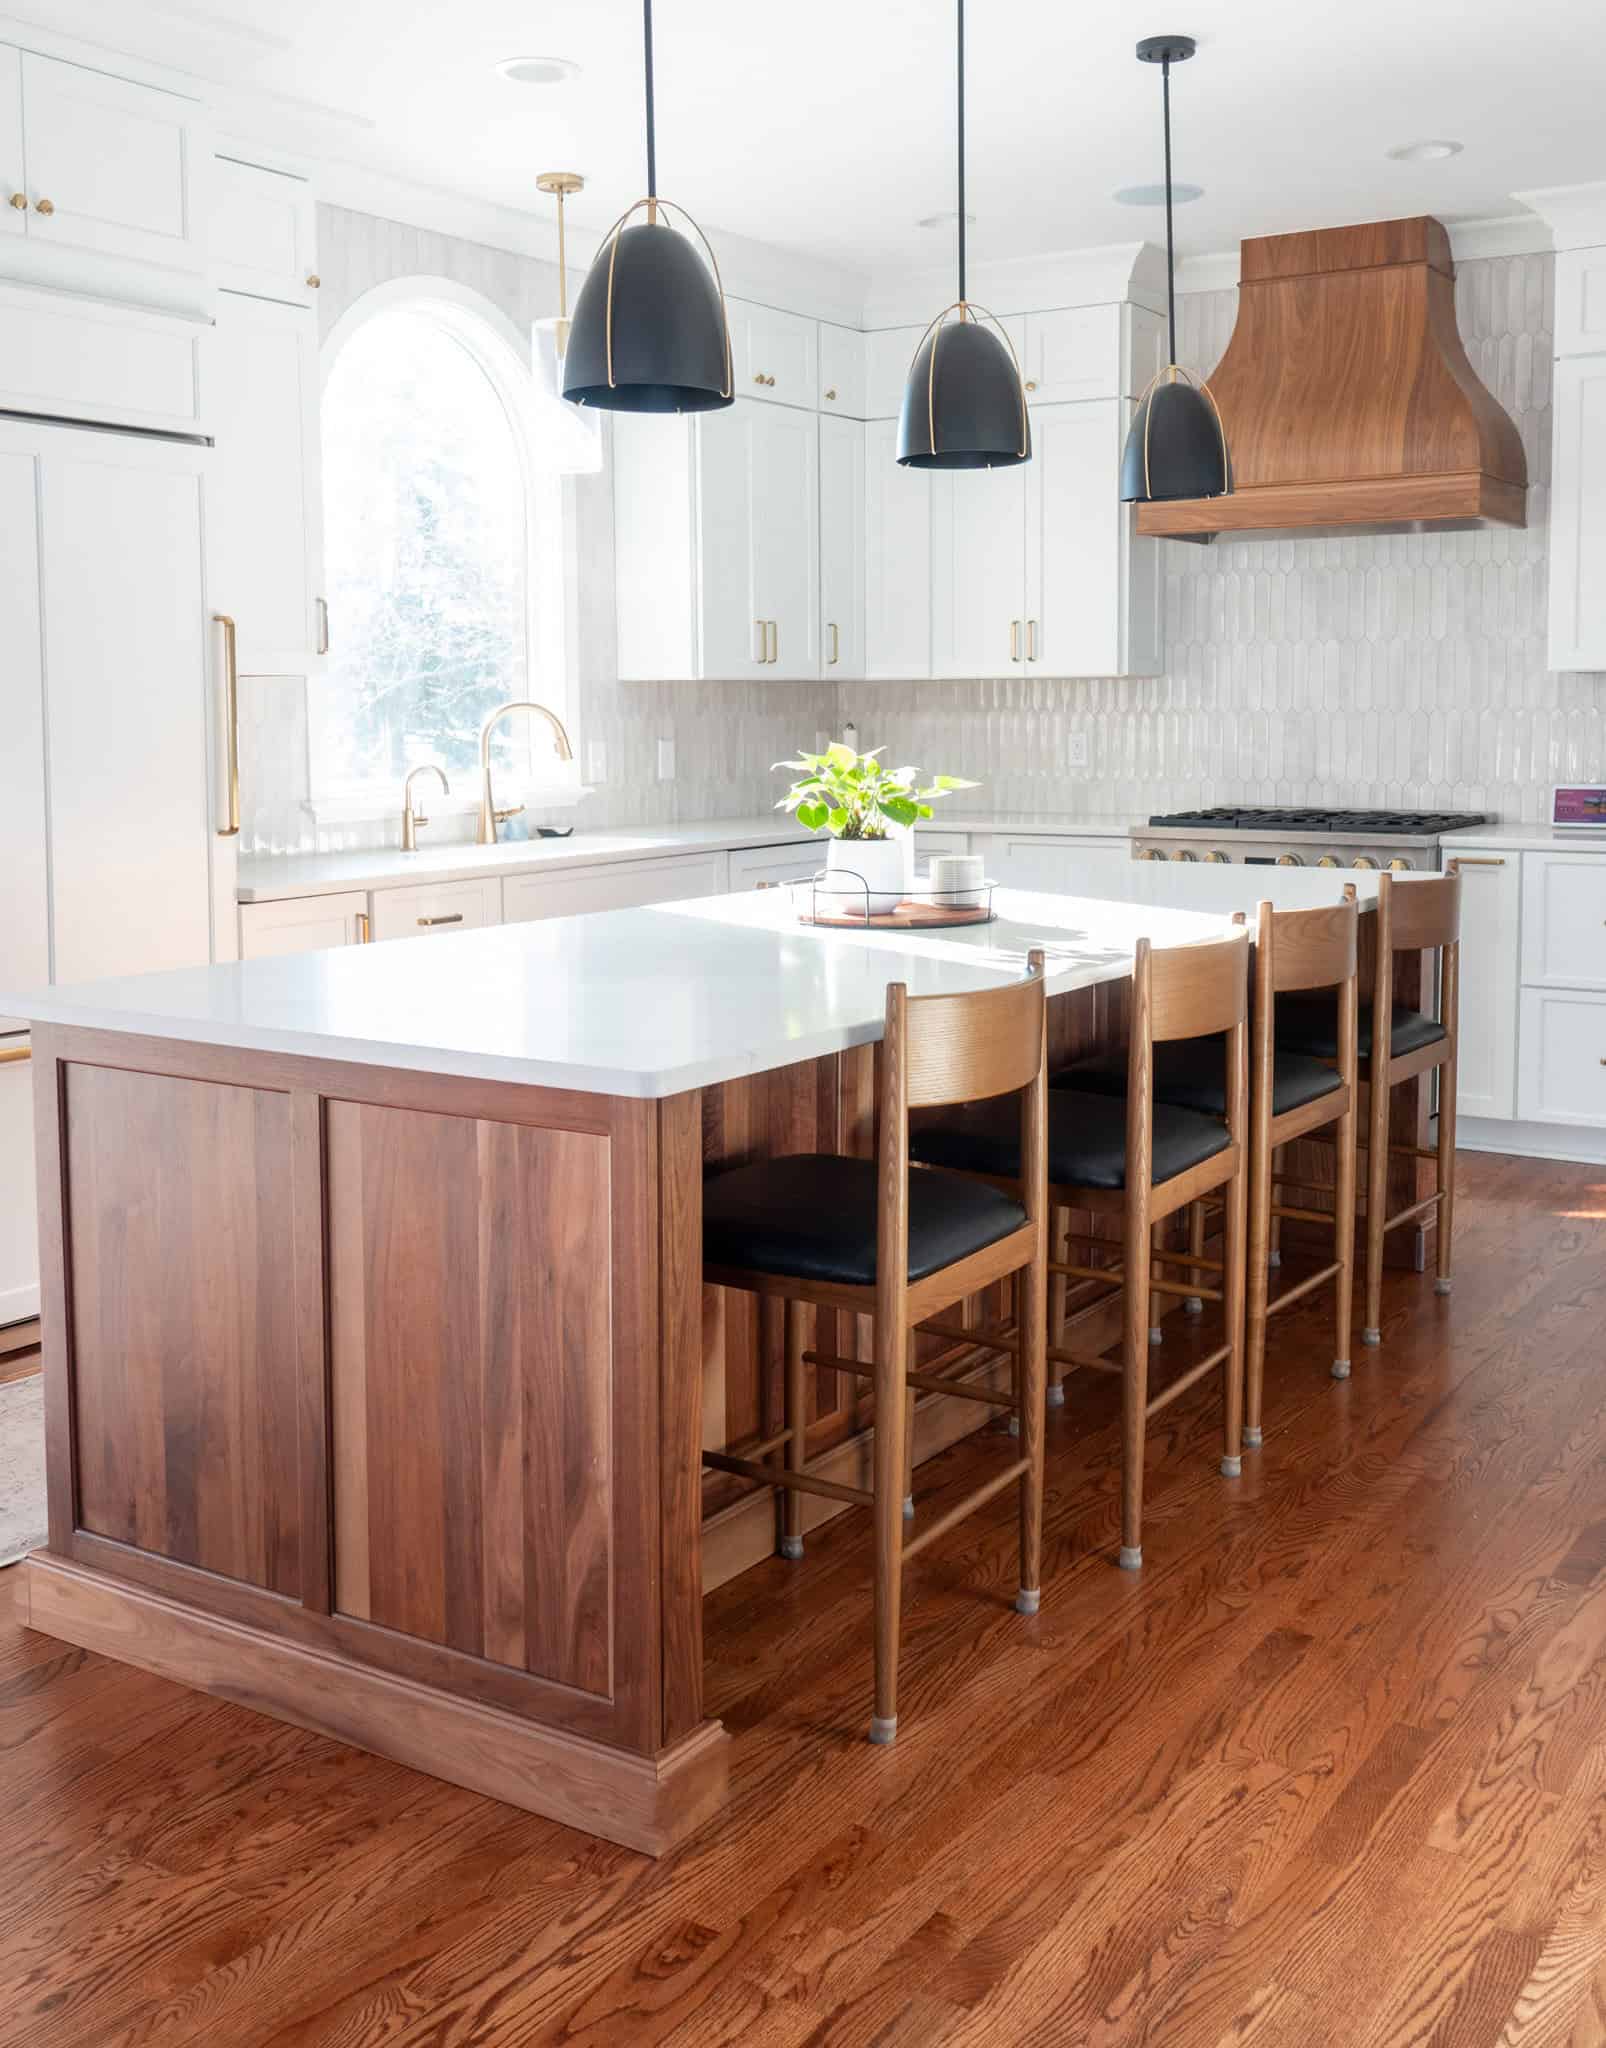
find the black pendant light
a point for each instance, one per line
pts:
(1176, 446)
(964, 406)
(650, 332)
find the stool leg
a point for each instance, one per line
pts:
(1156, 1238)
(1343, 1239)
(1134, 1394)
(1257, 1261)
(1377, 1195)
(1192, 1305)
(891, 1456)
(909, 1436)
(1233, 1234)
(1446, 1172)
(796, 1424)
(1031, 1389)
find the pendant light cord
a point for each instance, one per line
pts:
(961, 159)
(652, 131)
(1170, 253)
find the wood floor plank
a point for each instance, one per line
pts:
(1332, 1769)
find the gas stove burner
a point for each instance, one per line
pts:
(1349, 824)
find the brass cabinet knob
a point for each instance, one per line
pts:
(1031, 383)
(20, 201)
(831, 393)
(313, 280)
(760, 378)
(44, 206)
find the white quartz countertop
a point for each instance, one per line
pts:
(272, 878)
(628, 1002)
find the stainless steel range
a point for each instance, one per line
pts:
(1400, 840)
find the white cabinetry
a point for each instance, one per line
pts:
(1564, 921)
(13, 219)
(978, 571)
(716, 524)
(889, 352)
(1578, 464)
(263, 235)
(25, 924)
(775, 356)
(842, 547)
(751, 866)
(74, 358)
(842, 371)
(1562, 1066)
(110, 166)
(436, 907)
(19, 1234)
(1486, 1049)
(620, 885)
(302, 924)
(897, 558)
(262, 493)
(1070, 865)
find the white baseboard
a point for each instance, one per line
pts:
(1531, 1141)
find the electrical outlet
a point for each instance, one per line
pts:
(666, 760)
(1076, 750)
(596, 761)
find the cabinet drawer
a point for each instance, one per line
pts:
(749, 866)
(1564, 920)
(621, 885)
(1562, 1058)
(303, 924)
(432, 909)
(775, 356)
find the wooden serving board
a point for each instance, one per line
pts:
(908, 917)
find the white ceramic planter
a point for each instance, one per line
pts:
(881, 868)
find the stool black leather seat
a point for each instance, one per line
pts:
(1086, 1140)
(1309, 1025)
(1192, 1074)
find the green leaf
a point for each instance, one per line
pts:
(900, 809)
(813, 814)
(944, 782)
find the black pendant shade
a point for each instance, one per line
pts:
(650, 332)
(1176, 446)
(670, 350)
(962, 405)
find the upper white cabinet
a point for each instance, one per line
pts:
(13, 180)
(889, 351)
(66, 356)
(842, 371)
(262, 526)
(978, 571)
(841, 547)
(1580, 301)
(1077, 352)
(897, 559)
(775, 356)
(109, 165)
(264, 231)
(1578, 512)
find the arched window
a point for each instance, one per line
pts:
(440, 548)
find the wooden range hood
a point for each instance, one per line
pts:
(1346, 394)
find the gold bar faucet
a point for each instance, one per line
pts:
(490, 816)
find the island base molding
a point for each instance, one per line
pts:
(647, 1803)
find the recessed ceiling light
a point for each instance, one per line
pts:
(1154, 195)
(538, 70)
(946, 220)
(1422, 152)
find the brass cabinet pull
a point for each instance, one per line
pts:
(831, 393)
(1031, 639)
(313, 280)
(365, 928)
(323, 625)
(230, 763)
(1476, 860)
(1014, 639)
(11, 1053)
(44, 206)
(456, 917)
(836, 646)
(774, 640)
(763, 641)
(20, 201)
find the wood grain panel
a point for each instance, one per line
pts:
(470, 1267)
(185, 1371)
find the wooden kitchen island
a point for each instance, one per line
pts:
(378, 1359)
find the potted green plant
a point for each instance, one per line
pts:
(870, 811)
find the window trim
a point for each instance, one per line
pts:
(495, 344)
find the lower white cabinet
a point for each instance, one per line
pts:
(435, 907)
(1561, 1075)
(302, 924)
(1070, 866)
(1563, 920)
(1486, 1052)
(620, 885)
(19, 1237)
(751, 866)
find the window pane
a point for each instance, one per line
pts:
(427, 553)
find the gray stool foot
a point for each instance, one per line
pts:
(1341, 1368)
(1274, 1258)
(1027, 1603)
(1014, 1425)
(1156, 1334)
(792, 1547)
(1442, 1286)
(1371, 1336)
(1131, 1558)
(883, 1731)
(1231, 1468)
(1056, 1396)
(1253, 1439)
(1192, 1305)
(908, 1516)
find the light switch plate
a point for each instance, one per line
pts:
(1076, 750)
(596, 761)
(666, 760)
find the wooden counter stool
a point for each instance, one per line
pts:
(1415, 914)
(1135, 1157)
(870, 1237)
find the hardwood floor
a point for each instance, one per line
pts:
(1331, 1770)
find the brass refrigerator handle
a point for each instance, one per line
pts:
(365, 931)
(231, 725)
(836, 648)
(774, 640)
(455, 918)
(323, 625)
(9, 1054)
(1031, 639)
(1014, 639)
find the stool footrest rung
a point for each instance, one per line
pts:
(1192, 1291)
(1416, 1209)
(1080, 1359)
(994, 1338)
(801, 1482)
(1189, 1259)
(1190, 1378)
(1308, 1285)
(1110, 1275)
(1302, 1215)
(968, 1505)
(927, 1382)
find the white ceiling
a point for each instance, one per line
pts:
(826, 126)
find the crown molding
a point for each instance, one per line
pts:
(1575, 214)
